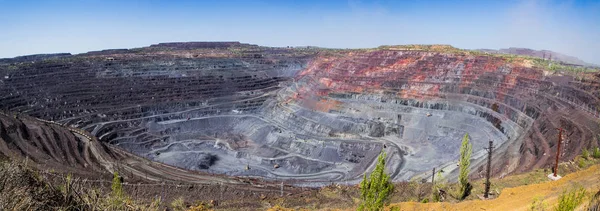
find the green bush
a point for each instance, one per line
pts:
(581, 163)
(376, 188)
(568, 201)
(596, 153)
(585, 154)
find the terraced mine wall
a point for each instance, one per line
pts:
(311, 117)
(432, 99)
(57, 151)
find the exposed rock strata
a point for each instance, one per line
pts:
(319, 117)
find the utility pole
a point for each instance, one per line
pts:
(433, 176)
(162, 192)
(560, 130)
(544, 56)
(490, 149)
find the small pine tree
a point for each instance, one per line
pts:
(117, 197)
(376, 188)
(117, 187)
(464, 162)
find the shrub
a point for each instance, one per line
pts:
(417, 188)
(585, 154)
(538, 204)
(596, 153)
(155, 203)
(203, 207)
(440, 184)
(395, 208)
(67, 189)
(568, 201)
(581, 163)
(178, 204)
(376, 188)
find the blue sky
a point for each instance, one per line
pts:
(44, 26)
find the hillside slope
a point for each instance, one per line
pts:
(52, 146)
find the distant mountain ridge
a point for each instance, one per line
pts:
(544, 54)
(35, 57)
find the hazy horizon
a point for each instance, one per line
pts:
(37, 27)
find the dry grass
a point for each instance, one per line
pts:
(519, 198)
(22, 188)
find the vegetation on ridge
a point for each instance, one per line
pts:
(376, 188)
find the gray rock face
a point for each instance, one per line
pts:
(376, 129)
(194, 161)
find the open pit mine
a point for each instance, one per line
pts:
(309, 116)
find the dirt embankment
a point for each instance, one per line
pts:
(51, 146)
